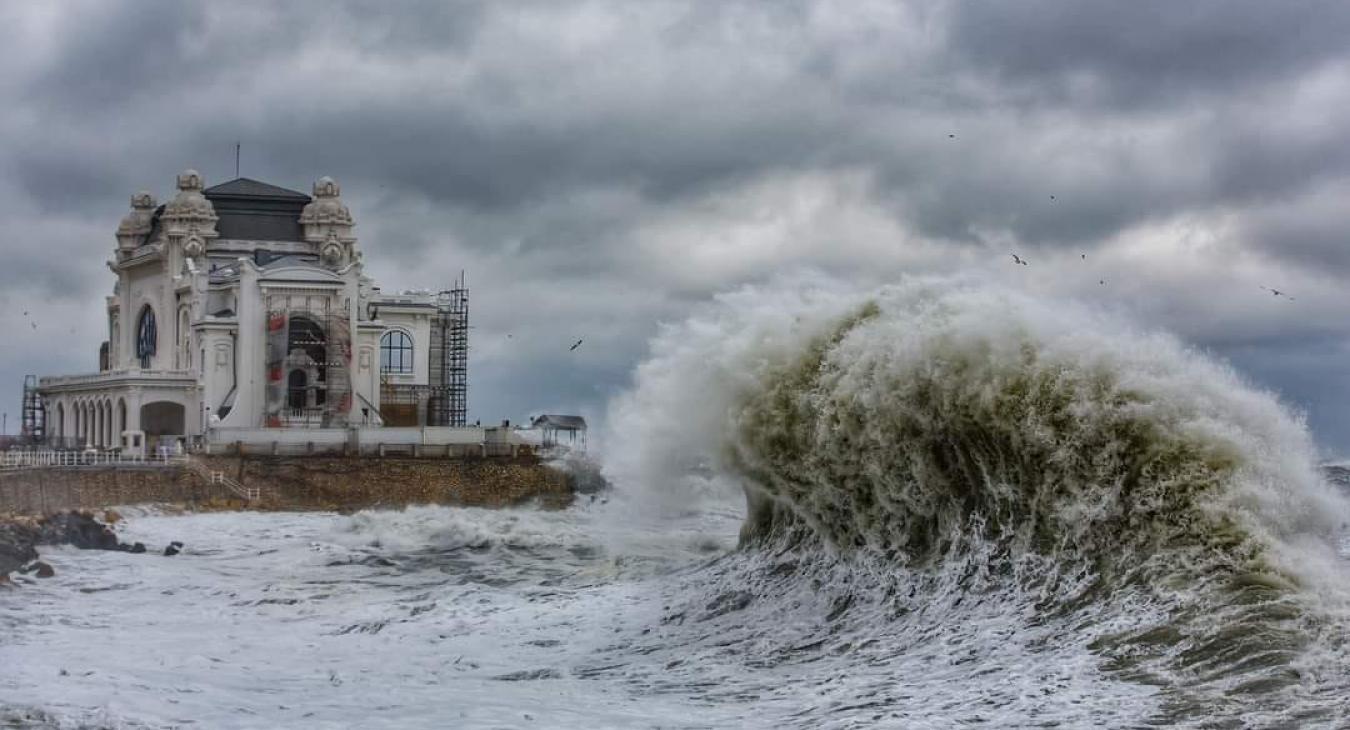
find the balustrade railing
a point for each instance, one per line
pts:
(35, 459)
(13, 460)
(120, 374)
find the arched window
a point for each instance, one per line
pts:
(146, 337)
(184, 339)
(308, 337)
(396, 352)
(297, 389)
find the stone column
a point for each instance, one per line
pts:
(134, 399)
(249, 349)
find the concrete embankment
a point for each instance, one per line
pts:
(291, 483)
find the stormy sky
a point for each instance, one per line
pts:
(600, 167)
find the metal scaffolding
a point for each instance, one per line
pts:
(448, 402)
(34, 428)
(308, 365)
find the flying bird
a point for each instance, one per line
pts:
(573, 347)
(951, 136)
(1018, 259)
(1052, 197)
(1278, 293)
(1102, 282)
(1083, 256)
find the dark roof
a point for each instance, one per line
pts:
(565, 423)
(251, 210)
(243, 187)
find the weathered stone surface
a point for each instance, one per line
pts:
(20, 535)
(17, 540)
(295, 482)
(348, 483)
(48, 490)
(76, 528)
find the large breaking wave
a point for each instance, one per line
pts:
(936, 453)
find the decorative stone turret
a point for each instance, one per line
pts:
(189, 219)
(135, 227)
(328, 225)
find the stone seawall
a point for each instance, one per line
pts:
(50, 489)
(357, 482)
(292, 483)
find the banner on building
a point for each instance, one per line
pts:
(277, 337)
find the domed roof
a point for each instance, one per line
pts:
(137, 222)
(327, 206)
(189, 202)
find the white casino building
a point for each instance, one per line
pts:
(240, 314)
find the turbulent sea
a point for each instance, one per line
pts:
(934, 505)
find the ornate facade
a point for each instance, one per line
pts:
(243, 306)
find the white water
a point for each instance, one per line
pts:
(394, 619)
(490, 619)
(640, 612)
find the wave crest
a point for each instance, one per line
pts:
(958, 440)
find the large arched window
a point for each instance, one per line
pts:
(146, 337)
(396, 352)
(297, 389)
(184, 339)
(308, 336)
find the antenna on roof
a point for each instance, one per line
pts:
(236, 159)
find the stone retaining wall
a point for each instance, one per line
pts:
(49, 489)
(293, 483)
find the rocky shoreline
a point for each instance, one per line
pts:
(20, 536)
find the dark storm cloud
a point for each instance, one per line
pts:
(599, 166)
(1310, 230)
(1137, 55)
(115, 54)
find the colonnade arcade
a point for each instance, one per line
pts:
(89, 421)
(100, 420)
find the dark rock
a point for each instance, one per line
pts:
(137, 548)
(79, 529)
(17, 540)
(45, 571)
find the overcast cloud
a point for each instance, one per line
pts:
(599, 167)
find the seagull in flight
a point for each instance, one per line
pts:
(573, 347)
(1278, 293)
(1018, 259)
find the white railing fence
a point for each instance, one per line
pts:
(14, 460)
(251, 494)
(35, 459)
